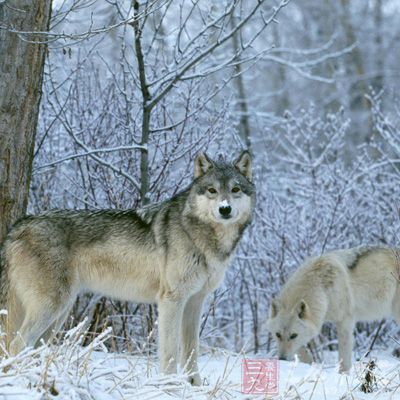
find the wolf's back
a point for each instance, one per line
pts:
(358, 253)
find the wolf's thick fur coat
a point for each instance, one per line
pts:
(343, 286)
(172, 254)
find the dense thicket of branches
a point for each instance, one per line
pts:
(134, 89)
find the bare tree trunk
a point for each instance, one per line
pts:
(244, 125)
(21, 73)
(146, 110)
(379, 57)
(144, 152)
(283, 102)
(356, 56)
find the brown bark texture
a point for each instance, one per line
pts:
(21, 72)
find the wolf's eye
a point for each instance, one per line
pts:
(212, 190)
(236, 189)
(293, 336)
(278, 335)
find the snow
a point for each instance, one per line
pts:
(70, 371)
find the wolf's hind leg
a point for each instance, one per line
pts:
(345, 339)
(54, 328)
(35, 324)
(396, 304)
(15, 316)
(396, 315)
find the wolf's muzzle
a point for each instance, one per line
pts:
(225, 211)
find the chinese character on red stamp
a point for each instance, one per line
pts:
(260, 376)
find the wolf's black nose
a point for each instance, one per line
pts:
(225, 211)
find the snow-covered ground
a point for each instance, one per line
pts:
(70, 371)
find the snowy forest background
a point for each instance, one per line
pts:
(310, 87)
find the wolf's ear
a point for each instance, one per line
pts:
(202, 164)
(274, 309)
(243, 164)
(302, 309)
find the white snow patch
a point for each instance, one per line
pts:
(70, 371)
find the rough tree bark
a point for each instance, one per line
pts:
(21, 73)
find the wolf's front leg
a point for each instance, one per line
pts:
(305, 355)
(345, 339)
(169, 325)
(190, 337)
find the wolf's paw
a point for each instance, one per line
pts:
(344, 370)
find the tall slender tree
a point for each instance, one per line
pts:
(22, 55)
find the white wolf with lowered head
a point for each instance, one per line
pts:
(343, 287)
(173, 253)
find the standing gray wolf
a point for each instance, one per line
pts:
(172, 254)
(343, 286)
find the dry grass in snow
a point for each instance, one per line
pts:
(70, 371)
